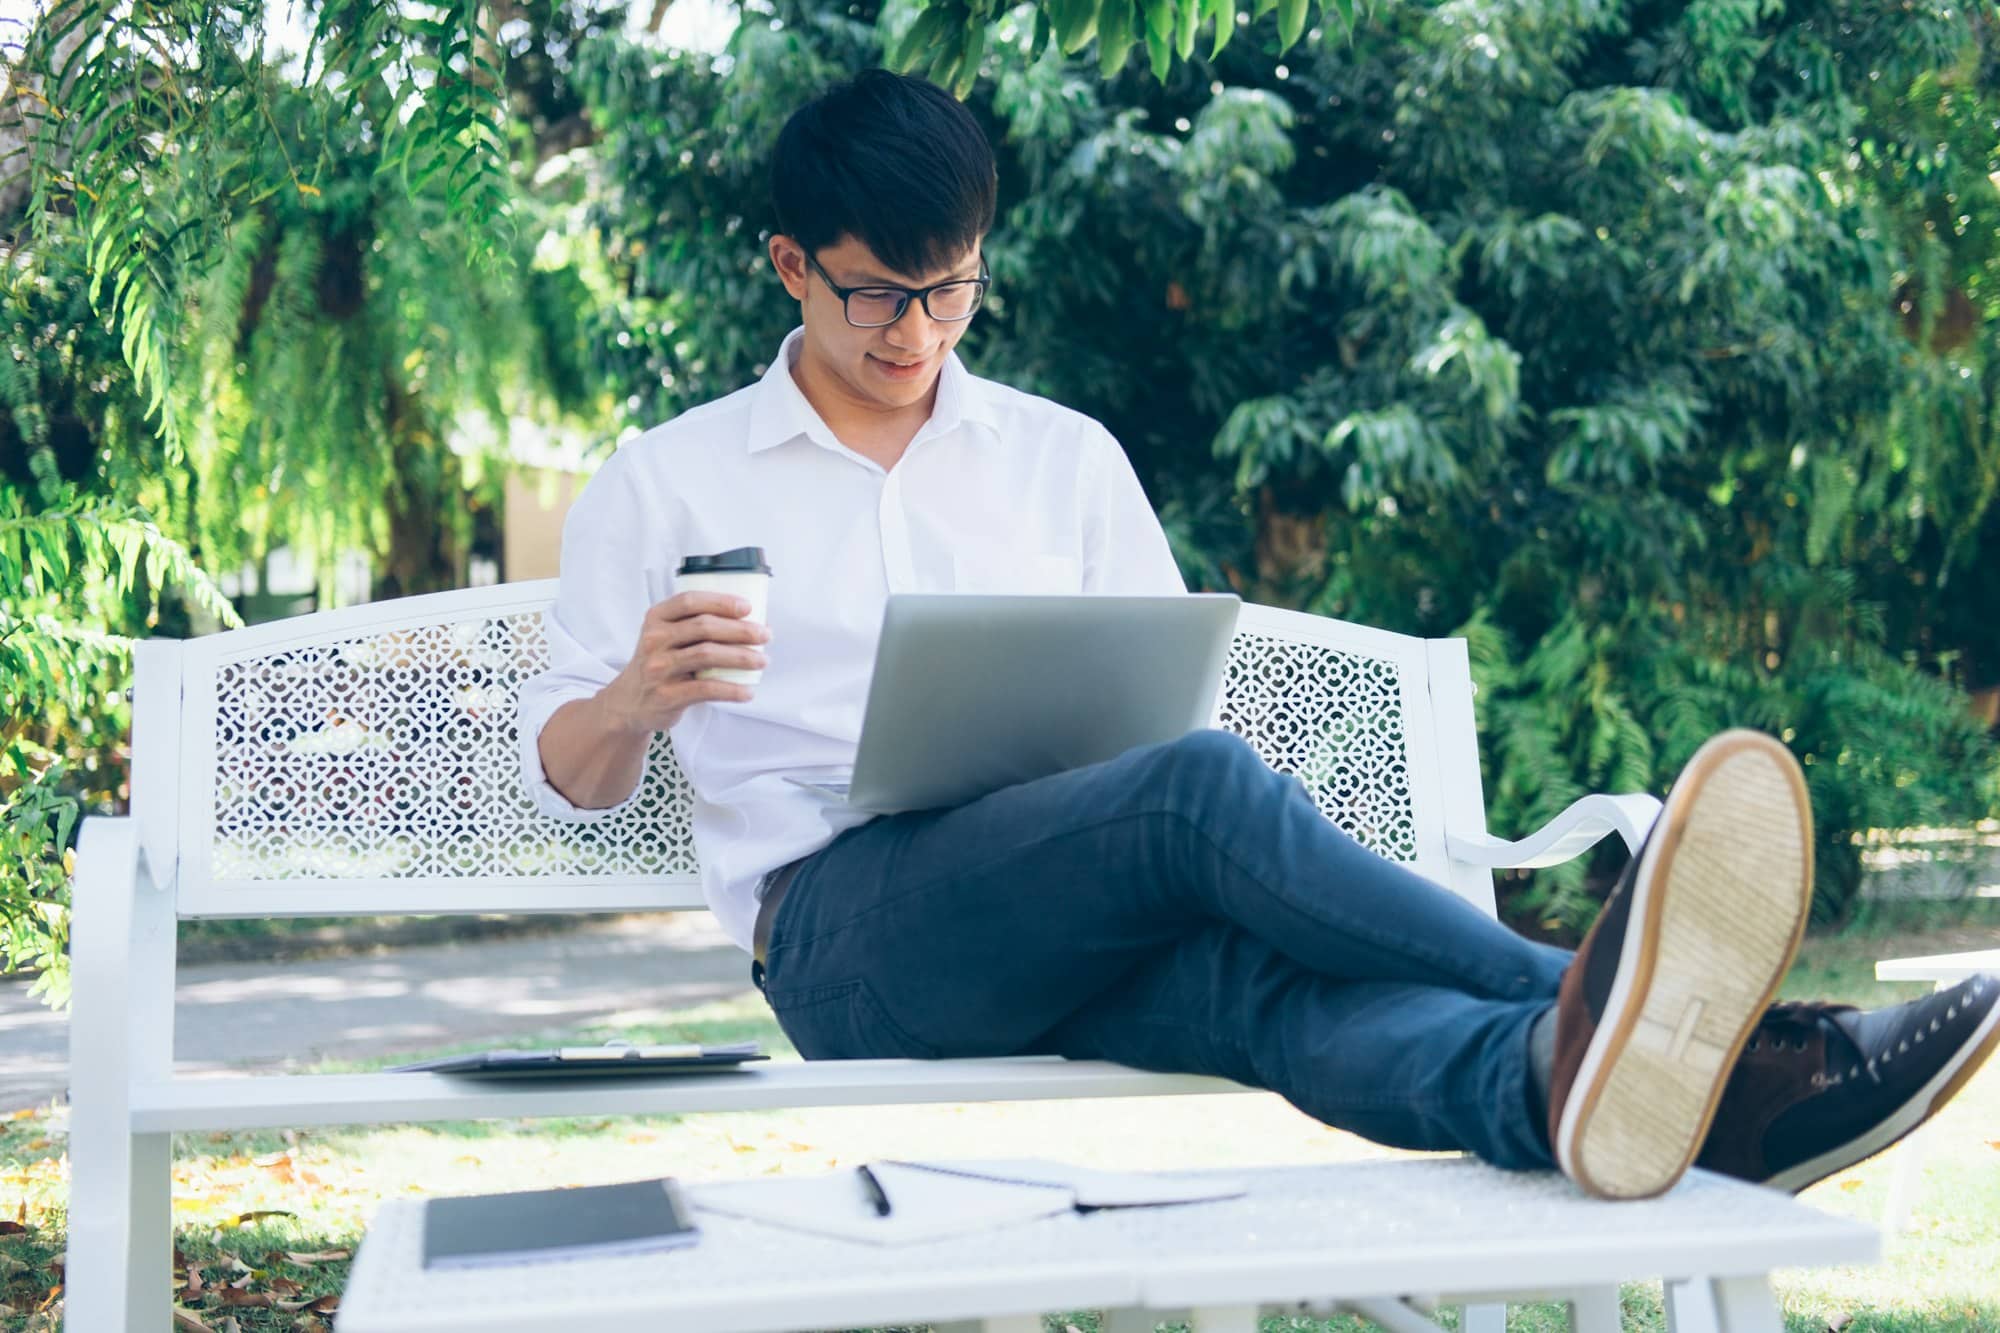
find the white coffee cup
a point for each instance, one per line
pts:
(740, 573)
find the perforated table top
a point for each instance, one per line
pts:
(1430, 1227)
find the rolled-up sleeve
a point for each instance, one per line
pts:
(1125, 549)
(593, 625)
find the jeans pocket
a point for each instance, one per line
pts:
(843, 1021)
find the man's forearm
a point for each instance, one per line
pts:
(592, 763)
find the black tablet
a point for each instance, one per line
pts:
(612, 1058)
(481, 1230)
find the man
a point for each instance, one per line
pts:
(1182, 907)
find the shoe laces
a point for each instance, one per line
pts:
(1793, 1023)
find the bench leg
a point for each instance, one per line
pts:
(1747, 1305)
(1223, 1319)
(1594, 1310)
(1722, 1305)
(1690, 1305)
(118, 1273)
(1482, 1319)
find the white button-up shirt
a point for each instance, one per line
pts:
(999, 491)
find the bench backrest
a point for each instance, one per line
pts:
(366, 761)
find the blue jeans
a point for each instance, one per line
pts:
(1181, 908)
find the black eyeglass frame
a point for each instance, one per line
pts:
(919, 294)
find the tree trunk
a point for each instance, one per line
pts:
(1290, 552)
(17, 132)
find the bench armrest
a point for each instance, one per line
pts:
(1576, 830)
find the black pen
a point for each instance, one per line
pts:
(876, 1194)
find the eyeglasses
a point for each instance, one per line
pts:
(878, 307)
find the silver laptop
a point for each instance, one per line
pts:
(975, 693)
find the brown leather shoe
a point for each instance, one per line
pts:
(1821, 1087)
(1679, 968)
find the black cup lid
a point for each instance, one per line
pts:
(742, 560)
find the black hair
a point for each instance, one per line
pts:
(895, 162)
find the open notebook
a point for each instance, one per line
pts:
(931, 1200)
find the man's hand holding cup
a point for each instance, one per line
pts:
(702, 645)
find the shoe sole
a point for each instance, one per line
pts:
(1719, 905)
(1928, 1101)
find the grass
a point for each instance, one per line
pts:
(322, 1185)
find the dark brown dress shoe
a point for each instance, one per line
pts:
(1679, 968)
(1823, 1086)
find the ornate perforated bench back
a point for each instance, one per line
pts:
(357, 760)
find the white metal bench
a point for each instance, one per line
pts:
(365, 761)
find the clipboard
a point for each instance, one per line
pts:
(613, 1059)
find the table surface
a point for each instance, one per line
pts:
(1431, 1227)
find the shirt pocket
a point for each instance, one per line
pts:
(1003, 571)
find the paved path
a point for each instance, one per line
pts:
(275, 1015)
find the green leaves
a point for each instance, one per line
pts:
(1291, 22)
(945, 34)
(1075, 22)
(1160, 25)
(1114, 35)
(57, 568)
(1222, 13)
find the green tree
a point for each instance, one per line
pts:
(1651, 347)
(1592, 331)
(253, 293)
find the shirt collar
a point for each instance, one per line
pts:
(779, 412)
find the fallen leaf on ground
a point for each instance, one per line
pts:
(11, 1228)
(6, 1308)
(284, 1286)
(1849, 1186)
(192, 1291)
(24, 1113)
(1839, 1322)
(236, 1265)
(187, 1323)
(259, 1214)
(36, 1145)
(231, 1296)
(228, 1325)
(9, 1265)
(55, 1295)
(309, 1257)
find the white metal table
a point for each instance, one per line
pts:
(1383, 1239)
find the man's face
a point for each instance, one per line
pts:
(881, 369)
